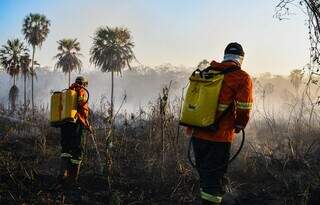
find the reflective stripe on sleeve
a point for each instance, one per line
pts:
(244, 105)
(211, 198)
(222, 107)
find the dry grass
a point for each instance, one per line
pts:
(146, 162)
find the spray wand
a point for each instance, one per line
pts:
(97, 151)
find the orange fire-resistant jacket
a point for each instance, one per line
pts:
(83, 108)
(237, 89)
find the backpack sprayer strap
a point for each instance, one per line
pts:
(224, 114)
(78, 95)
(224, 71)
(88, 96)
(215, 126)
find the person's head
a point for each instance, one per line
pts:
(82, 81)
(234, 52)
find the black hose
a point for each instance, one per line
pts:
(230, 160)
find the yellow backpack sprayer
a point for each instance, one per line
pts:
(201, 101)
(203, 88)
(64, 106)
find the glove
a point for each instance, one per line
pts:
(238, 128)
(213, 63)
(188, 132)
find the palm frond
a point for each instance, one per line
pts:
(11, 56)
(25, 64)
(68, 58)
(112, 49)
(35, 29)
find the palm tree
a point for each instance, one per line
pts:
(68, 56)
(10, 59)
(296, 77)
(111, 52)
(25, 71)
(35, 29)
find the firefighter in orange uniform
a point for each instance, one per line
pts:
(72, 138)
(212, 150)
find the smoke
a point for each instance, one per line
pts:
(140, 85)
(273, 93)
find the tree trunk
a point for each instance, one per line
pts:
(162, 126)
(69, 78)
(13, 102)
(112, 100)
(110, 135)
(32, 73)
(25, 91)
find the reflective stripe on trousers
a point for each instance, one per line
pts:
(211, 198)
(66, 155)
(73, 161)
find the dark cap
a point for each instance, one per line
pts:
(81, 80)
(234, 48)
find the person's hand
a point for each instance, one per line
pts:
(188, 132)
(213, 63)
(238, 128)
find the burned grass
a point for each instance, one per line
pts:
(146, 163)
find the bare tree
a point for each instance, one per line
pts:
(311, 8)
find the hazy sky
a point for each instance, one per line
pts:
(180, 32)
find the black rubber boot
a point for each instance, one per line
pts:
(75, 194)
(74, 170)
(74, 191)
(63, 173)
